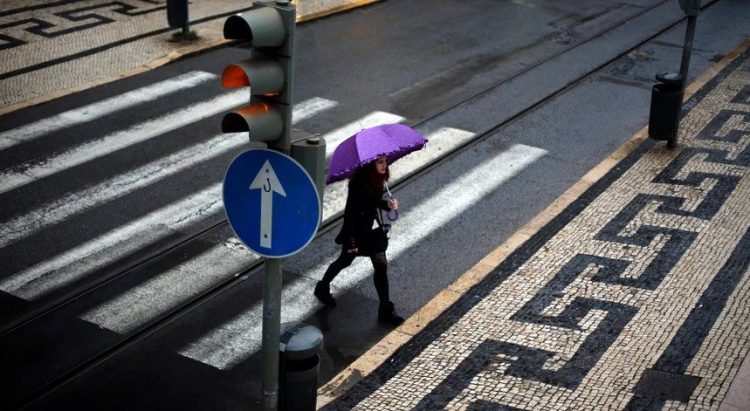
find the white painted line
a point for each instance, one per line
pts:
(33, 170)
(239, 338)
(150, 300)
(102, 108)
(75, 263)
(335, 137)
(118, 186)
(310, 108)
(72, 203)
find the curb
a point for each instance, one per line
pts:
(385, 348)
(352, 4)
(175, 55)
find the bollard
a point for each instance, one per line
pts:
(666, 103)
(299, 366)
(177, 15)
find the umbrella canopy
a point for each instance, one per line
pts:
(391, 140)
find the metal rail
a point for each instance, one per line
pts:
(331, 223)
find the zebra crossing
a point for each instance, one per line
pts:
(237, 339)
(234, 341)
(102, 108)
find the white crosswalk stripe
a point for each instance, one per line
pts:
(151, 173)
(141, 132)
(153, 298)
(71, 264)
(102, 108)
(311, 107)
(76, 202)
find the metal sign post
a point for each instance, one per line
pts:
(271, 332)
(691, 9)
(273, 207)
(277, 212)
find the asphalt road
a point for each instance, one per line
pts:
(518, 99)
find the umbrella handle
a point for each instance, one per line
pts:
(390, 197)
(395, 215)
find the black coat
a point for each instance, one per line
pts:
(360, 213)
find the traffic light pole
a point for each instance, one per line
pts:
(271, 332)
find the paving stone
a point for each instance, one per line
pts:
(74, 45)
(638, 300)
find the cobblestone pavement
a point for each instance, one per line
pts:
(52, 48)
(635, 296)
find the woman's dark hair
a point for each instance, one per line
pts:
(368, 174)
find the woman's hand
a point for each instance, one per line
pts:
(393, 204)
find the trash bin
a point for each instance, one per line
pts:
(298, 353)
(666, 103)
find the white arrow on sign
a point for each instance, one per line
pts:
(267, 181)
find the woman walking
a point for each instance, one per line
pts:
(365, 205)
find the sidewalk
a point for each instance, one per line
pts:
(51, 49)
(629, 292)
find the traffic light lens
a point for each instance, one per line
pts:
(264, 76)
(261, 119)
(237, 28)
(263, 27)
(234, 76)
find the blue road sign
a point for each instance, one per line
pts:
(271, 203)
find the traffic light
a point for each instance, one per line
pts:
(269, 29)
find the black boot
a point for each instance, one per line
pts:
(323, 292)
(387, 315)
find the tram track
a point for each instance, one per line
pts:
(237, 278)
(136, 261)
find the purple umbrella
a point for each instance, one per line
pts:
(391, 140)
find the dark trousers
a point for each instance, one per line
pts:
(379, 263)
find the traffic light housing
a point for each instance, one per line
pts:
(268, 28)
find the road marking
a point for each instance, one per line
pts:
(311, 107)
(76, 262)
(118, 186)
(76, 202)
(151, 299)
(33, 170)
(102, 108)
(239, 338)
(156, 296)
